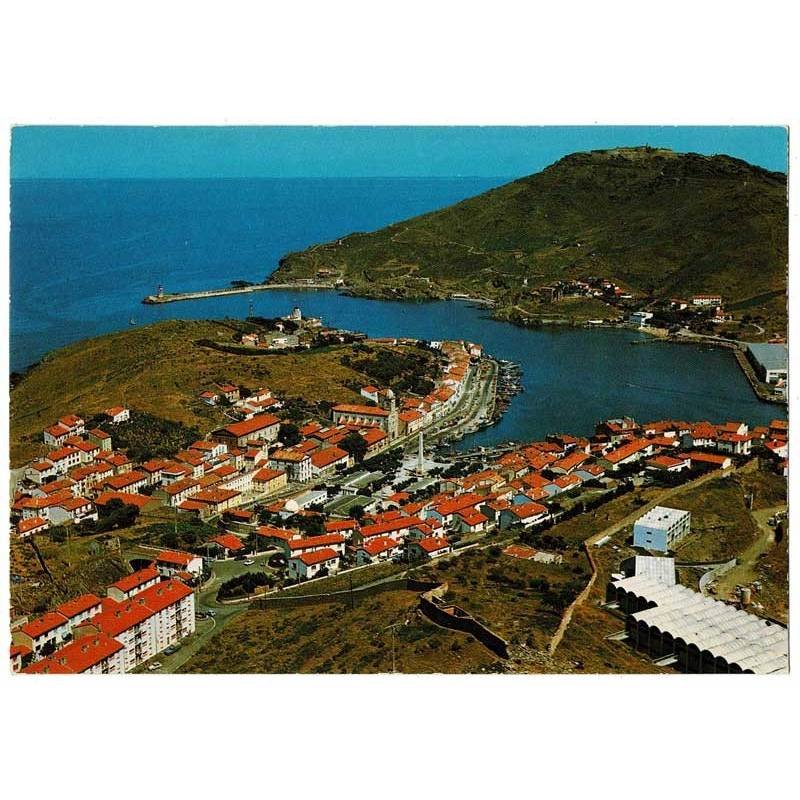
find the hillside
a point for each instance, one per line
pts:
(160, 369)
(652, 220)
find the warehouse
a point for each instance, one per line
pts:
(770, 361)
(698, 633)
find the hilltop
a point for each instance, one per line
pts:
(657, 222)
(161, 368)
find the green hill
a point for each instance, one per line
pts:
(654, 221)
(160, 369)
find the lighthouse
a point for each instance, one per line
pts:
(160, 291)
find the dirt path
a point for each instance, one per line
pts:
(589, 543)
(745, 571)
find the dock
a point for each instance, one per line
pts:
(176, 297)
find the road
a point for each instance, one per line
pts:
(745, 571)
(205, 600)
(611, 530)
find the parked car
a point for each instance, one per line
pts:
(211, 613)
(154, 666)
(277, 560)
(248, 562)
(173, 648)
(200, 615)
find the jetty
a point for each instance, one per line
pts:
(175, 297)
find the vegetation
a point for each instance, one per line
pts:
(330, 638)
(148, 436)
(520, 600)
(188, 534)
(243, 585)
(653, 220)
(160, 369)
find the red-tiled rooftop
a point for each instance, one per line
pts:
(141, 576)
(44, 624)
(77, 656)
(361, 410)
(78, 605)
(318, 556)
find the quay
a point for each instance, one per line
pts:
(737, 347)
(163, 297)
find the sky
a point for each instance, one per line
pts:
(284, 152)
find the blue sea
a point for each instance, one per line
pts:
(84, 254)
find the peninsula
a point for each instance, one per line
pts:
(654, 223)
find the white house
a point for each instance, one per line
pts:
(117, 414)
(310, 564)
(429, 547)
(381, 548)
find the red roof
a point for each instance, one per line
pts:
(570, 461)
(26, 525)
(229, 541)
(163, 594)
(525, 510)
(181, 486)
(62, 452)
(338, 525)
(378, 545)
(707, 458)
(138, 500)
(175, 557)
(315, 541)
(472, 516)
(215, 496)
(359, 410)
(519, 551)
(374, 436)
(430, 544)
(463, 501)
(369, 531)
(277, 533)
(324, 458)
(44, 624)
(78, 605)
(136, 579)
(248, 426)
(318, 556)
(666, 461)
(57, 430)
(264, 475)
(126, 479)
(626, 450)
(77, 656)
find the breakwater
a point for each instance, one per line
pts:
(175, 297)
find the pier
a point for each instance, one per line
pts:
(163, 297)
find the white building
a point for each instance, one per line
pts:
(310, 564)
(639, 318)
(146, 623)
(661, 528)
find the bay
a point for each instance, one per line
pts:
(84, 253)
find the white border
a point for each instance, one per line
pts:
(409, 63)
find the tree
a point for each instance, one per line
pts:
(355, 445)
(289, 434)
(170, 540)
(356, 512)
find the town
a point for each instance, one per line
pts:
(369, 487)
